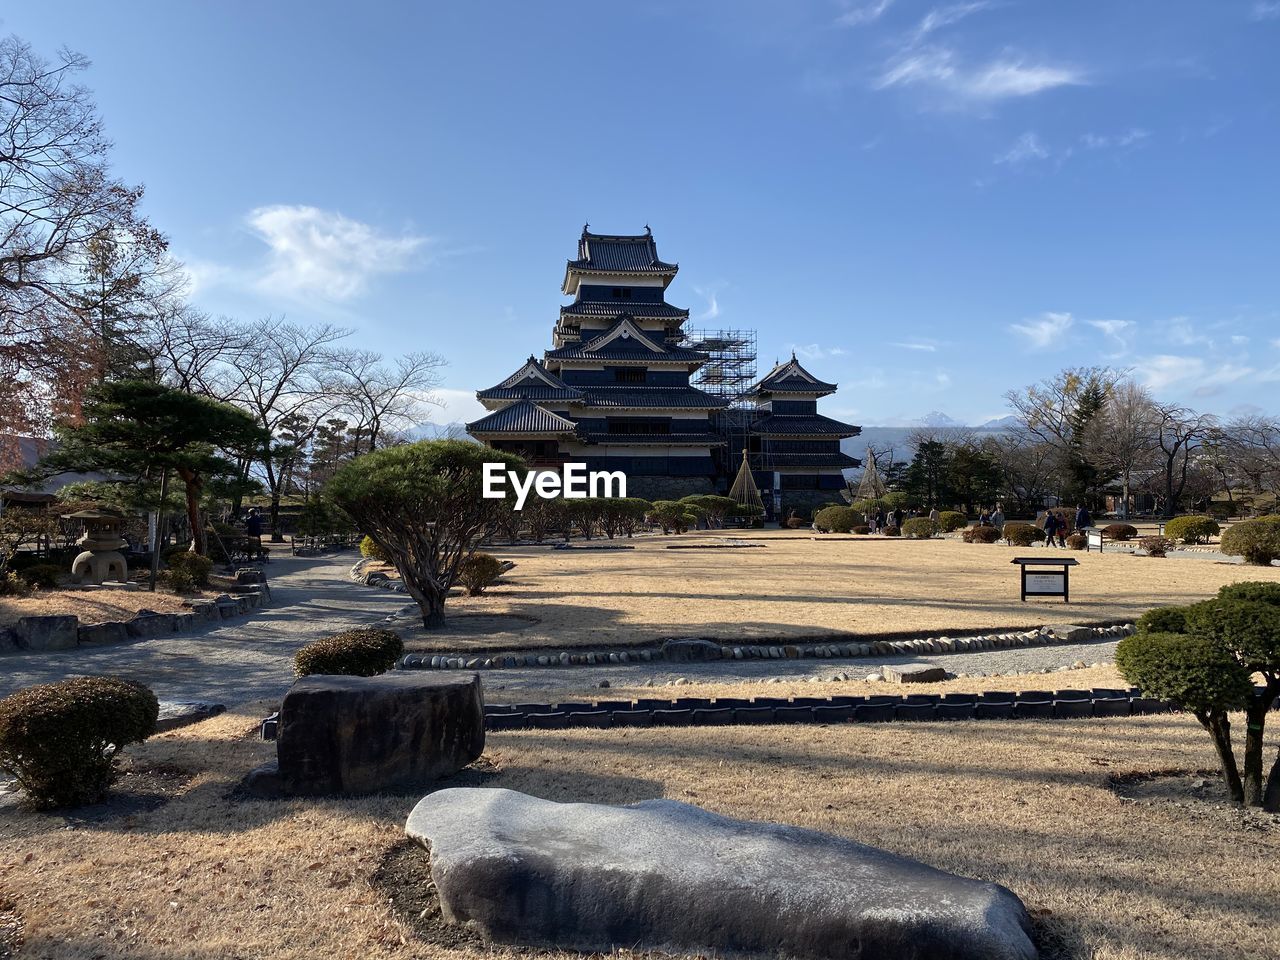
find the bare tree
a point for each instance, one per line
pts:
(195, 352)
(1126, 442)
(286, 374)
(1253, 443)
(1030, 466)
(384, 398)
(1179, 433)
(71, 239)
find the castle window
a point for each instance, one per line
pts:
(628, 375)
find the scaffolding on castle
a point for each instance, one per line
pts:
(730, 369)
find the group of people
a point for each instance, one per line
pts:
(883, 519)
(1057, 526)
(991, 518)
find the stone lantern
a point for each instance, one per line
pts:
(100, 560)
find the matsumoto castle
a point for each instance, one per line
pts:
(613, 392)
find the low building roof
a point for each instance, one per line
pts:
(526, 417)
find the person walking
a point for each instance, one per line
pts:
(1061, 527)
(879, 521)
(933, 514)
(253, 531)
(1083, 519)
(1050, 527)
(897, 517)
(997, 517)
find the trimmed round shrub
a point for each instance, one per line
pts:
(1156, 546)
(12, 585)
(371, 550)
(891, 531)
(365, 652)
(1251, 590)
(1250, 629)
(478, 571)
(796, 523)
(837, 519)
(195, 568)
(60, 740)
(861, 530)
(1192, 529)
(1190, 670)
(1021, 534)
(1163, 620)
(1258, 541)
(919, 528)
(1119, 531)
(1077, 541)
(42, 576)
(178, 580)
(980, 535)
(950, 521)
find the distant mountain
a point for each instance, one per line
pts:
(897, 433)
(937, 418)
(438, 431)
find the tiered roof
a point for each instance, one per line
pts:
(805, 425)
(791, 377)
(532, 381)
(601, 253)
(612, 308)
(526, 418)
(625, 340)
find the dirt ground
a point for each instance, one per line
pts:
(798, 585)
(1027, 804)
(91, 606)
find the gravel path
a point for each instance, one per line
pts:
(252, 657)
(989, 662)
(229, 663)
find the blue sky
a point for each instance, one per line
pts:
(930, 202)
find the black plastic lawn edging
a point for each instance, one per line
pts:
(875, 708)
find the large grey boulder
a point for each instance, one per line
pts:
(921, 671)
(689, 650)
(366, 734)
(666, 875)
(48, 633)
(1071, 633)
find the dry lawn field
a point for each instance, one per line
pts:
(797, 586)
(91, 606)
(1025, 804)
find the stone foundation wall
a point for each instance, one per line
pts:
(667, 488)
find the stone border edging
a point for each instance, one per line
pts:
(66, 632)
(1045, 636)
(875, 708)
(375, 579)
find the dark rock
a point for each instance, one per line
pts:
(690, 650)
(182, 713)
(365, 734)
(148, 623)
(94, 634)
(48, 633)
(8, 639)
(919, 672)
(662, 874)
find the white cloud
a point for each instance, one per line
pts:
(924, 346)
(1118, 331)
(713, 304)
(940, 17)
(1180, 331)
(1044, 331)
(864, 13)
(321, 253)
(814, 351)
(1239, 340)
(1165, 371)
(997, 80)
(1095, 141)
(1276, 343)
(1265, 10)
(203, 275)
(1026, 147)
(1015, 78)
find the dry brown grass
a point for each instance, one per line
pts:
(91, 606)
(1025, 804)
(799, 586)
(1100, 677)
